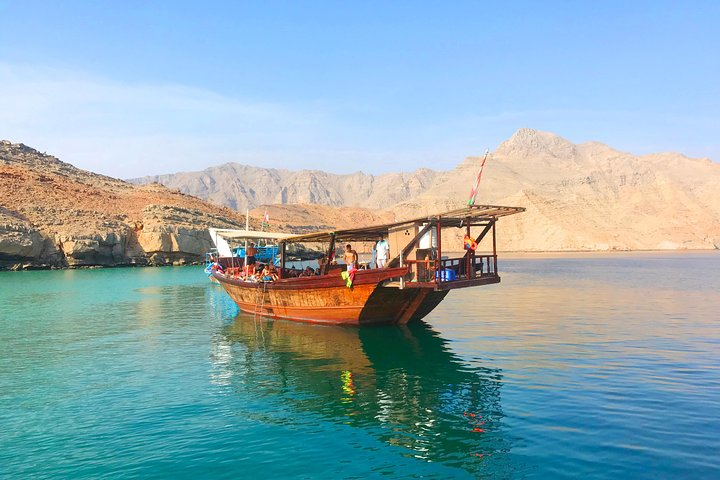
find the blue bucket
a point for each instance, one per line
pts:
(446, 275)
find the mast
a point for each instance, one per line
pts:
(247, 228)
(282, 259)
(326, 267)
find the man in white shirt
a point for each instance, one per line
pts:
(383, 252)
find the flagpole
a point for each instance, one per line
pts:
(247, 228)
(265, 221)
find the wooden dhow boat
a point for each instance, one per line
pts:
(415, 280)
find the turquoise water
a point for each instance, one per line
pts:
(600, 367)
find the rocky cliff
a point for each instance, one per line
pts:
(55, 215)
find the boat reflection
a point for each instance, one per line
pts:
(401, 384)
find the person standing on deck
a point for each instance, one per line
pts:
(383, 252)
(351, 257)
(250, 257)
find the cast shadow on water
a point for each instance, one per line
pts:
(402, 385)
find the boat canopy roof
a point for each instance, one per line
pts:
(476, 215)
(249, 234)
(220, 236)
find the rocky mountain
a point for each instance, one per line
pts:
(242, 186)
(578, 197)
(55, 215)
(304, 218)
(588, 196)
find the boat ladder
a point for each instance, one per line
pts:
(262, 302)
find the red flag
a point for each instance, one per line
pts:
(474, 191)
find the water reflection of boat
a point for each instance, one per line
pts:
(401, 384)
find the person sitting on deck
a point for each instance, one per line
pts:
(217, 267)
(251, 269)
(268, 274)
(254, 273)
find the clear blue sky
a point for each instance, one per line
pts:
(130, 88)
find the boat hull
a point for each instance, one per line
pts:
(328, 300)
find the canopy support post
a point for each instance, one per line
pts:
(494, 249)
(469, 255)
(438, 260)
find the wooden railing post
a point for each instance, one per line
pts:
(494, 249)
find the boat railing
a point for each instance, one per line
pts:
(421, 270)
(467, 267)
(471, 266)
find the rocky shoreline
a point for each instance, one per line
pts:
(54, 215)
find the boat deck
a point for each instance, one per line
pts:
(449, 273)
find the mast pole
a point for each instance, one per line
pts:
(326, 267)
(282, 259)
(247, 228)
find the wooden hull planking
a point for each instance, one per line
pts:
(328, 300)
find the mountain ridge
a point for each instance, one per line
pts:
(577, 197)
(223, 184)
(601, 197)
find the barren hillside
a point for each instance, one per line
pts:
(587, 197)
(53, 214)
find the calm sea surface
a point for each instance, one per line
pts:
(595, 367)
